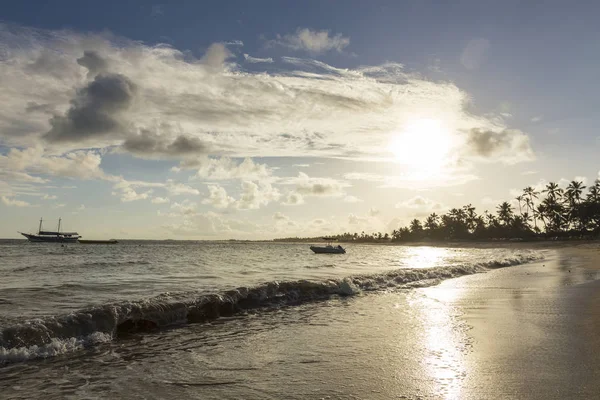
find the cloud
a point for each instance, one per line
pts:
(537, 118)
(254, 195)
(414, 181)
(310, 186)
(256, 60)
(293, 199)
(301, 165)
(160, 200)
(49, 197)
(81, 207)
(352, 199)
(278, 216)
(129, 194)
(93, 62)
(216, 55)
(509, 145)
(235, 43)
(218, 197)
(474, 53)
(421, 206)
(176, 189)
(186, 207)
(150, 144)
(225, 169)
(156, 10)
(530, 172)
(96, 110)
(210, 224)
(104, 91)
(11, 202)
(373, 212)
(76, 164)
(311, 41)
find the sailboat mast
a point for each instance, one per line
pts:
(58, 230)
(40, 228)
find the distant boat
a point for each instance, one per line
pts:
(328, 248)
(52, 236)
(109, 241)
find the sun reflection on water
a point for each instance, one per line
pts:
(445, 340)
(426, 257)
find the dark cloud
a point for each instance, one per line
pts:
(148, 143)
(509, 144)
(93, 62)
(95, 111)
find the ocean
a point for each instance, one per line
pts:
(195, 319)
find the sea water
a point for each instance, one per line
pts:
(95, 311)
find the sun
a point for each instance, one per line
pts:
(423, 145)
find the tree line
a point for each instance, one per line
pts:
(550, 213)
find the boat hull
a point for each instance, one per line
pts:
(327, 250)
(50, 239)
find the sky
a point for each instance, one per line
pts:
(256, 120)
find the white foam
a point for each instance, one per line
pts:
(54, 348)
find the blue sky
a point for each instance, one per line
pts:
(264, 119)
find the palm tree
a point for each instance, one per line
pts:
(531, 194)
(519, 200)
(432, 222)
(505, 213)
(554, 192)
(573, 193)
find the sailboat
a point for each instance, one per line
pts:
(52, 236)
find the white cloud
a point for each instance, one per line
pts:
(256, 60)
(311, 41)
(129, 194)
(211, 224)
(537, 119)
(373, 212)
(420, 206)
(293, 199)
(255, 195)
(311, 109)
(49, 197)
(186, 207)
(530, 172)
(301, 165)
(225, 168)
(176, 189)
(160, 200)
(81, 207)
(218, 197)
(11, 202)
(75, 164)
(414, 181)
(311, 186)
(352, 199)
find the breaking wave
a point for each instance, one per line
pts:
(50, 336)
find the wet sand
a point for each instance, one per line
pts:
(535, 329)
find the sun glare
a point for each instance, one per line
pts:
(423, 145)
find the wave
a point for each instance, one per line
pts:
(49, 336)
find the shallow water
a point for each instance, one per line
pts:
(117, 321)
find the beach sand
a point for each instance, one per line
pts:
(534, 329)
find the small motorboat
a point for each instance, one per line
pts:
(328, 248)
